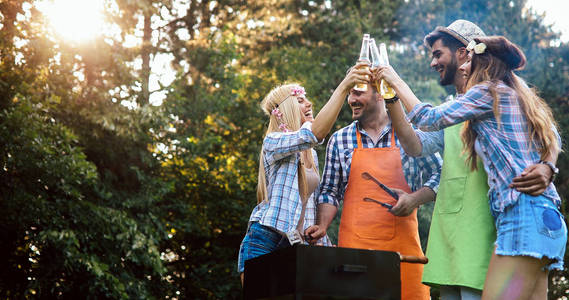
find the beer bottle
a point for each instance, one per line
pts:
(375, 61)
(364, 57)
(386, 90)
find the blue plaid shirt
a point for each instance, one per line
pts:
(506, 147)
(433, 141)
(418, 171)
(281, 155)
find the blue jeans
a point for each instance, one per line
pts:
(259, 240)
(449, 292)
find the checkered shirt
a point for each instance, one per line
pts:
(506, 148)
(281, 154)
(418, 171)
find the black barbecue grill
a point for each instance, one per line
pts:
(315, 272)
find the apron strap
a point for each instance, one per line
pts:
(359, 138)
(393, 144)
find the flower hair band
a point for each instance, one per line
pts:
(478, 48)
(296, 91)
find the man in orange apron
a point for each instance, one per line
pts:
(357, 157)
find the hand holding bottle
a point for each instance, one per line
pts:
(379, 59)
(363, 60)
(359, 74)
(387, 74)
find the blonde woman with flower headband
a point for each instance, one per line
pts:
(508, 127)
(288, 166)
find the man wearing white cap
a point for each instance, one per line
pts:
(462, 232)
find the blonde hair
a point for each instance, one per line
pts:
(497, 63)
(280, 97)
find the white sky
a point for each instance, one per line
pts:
(555, 13)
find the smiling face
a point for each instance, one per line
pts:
(444, 61)
(364, 105)
(466, 67)
(305, 109)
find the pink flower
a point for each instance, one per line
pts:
(297, 91)
(282, 126)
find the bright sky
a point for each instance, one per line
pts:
(555, 13)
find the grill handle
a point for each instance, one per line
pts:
(350, 268)
(413, 259)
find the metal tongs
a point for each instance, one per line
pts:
(387, 205)
(402, 258)
(368, 176)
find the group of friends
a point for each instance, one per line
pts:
(486, 156)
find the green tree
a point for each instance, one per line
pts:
(61, 235)
(78, 184)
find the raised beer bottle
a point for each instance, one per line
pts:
(364, 57)
(375, 61)
(386, 90)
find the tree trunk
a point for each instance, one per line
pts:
(146, 51)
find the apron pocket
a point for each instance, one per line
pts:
(451, 195)
(374, 222)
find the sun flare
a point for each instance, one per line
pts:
(74, 20)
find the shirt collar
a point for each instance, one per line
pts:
(385, 130)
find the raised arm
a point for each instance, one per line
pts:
(409, 139)
(279, 145)
(475, 104)
(403, 91)
(407, 136)
(329, 113)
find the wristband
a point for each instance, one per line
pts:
(554, 169)
(391, 100)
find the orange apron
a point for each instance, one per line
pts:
(368, 225)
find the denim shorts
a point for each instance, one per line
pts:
(455, 292)
(259, 240)
(532, 226)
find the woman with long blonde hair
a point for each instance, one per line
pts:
(509, 127)
(288, 166)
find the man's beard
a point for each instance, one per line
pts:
(450, 72)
